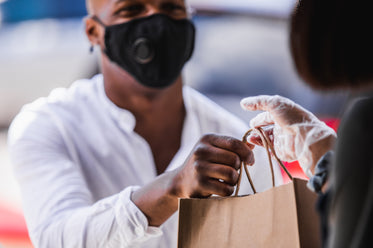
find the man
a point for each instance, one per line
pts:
(103, 163)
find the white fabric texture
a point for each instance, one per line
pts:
(77, 159)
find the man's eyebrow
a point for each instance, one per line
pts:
(121, 1)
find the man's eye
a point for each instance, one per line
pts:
(173, 7)
(130, 10)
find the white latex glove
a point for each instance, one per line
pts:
(297, 133)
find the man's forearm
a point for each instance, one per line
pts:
(156, 199)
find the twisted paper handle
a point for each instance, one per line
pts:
(269, 148)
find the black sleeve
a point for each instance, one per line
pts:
(351, 180)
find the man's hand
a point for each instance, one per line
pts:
(212, 167)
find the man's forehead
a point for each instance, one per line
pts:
(94, 6)
(100, 2)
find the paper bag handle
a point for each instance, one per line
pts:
(269, 147)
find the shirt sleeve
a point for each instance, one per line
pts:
(57, 203)
(350, 216)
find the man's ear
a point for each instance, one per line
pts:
(93, 31)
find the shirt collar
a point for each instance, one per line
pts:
(126, 120)
(191, 131)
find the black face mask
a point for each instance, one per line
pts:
(152, 49)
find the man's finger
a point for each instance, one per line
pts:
(231, 144)
(219, 172)
(217, 155)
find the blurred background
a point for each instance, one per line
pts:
(241, 50)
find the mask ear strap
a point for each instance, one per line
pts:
(98, 20)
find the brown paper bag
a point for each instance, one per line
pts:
(282, 216)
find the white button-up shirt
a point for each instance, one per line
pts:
(77, 159)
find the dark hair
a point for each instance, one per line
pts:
(331, 44)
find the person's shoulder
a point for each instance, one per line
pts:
(358, 117)
(210, 112)
(80, 90)
(72, 97)
(361, 109)
(199, 102)
(364, 105)
(61, 105)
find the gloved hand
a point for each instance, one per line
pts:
(297, 133)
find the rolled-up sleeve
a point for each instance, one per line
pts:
(57, 203)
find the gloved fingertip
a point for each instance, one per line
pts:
(262, 119)
(248, 103)
(254, 140)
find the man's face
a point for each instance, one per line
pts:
(118, 54)
(120, 11)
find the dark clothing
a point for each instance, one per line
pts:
(347, 210)
(322, 208)
(315, 183)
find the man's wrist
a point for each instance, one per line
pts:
(176, 188)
